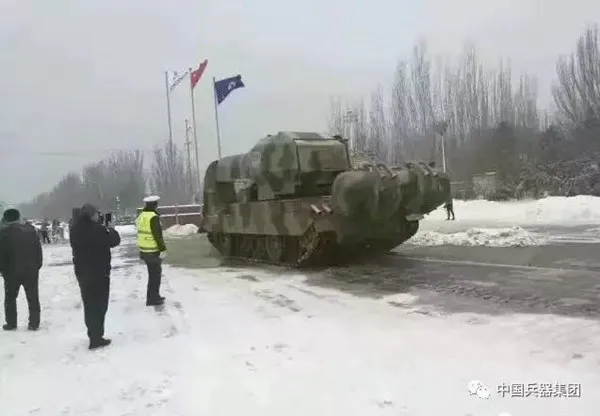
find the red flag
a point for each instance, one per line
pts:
(196, 74)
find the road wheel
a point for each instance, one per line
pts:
(274, 248)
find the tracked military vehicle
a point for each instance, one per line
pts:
(296, 199)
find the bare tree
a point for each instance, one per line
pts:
(400, 116)
(577, 93)
(126, 178)
(422, 99)
(525, 103)
(95, 182)
(168, 175)
(378, 141)
(336, 120)
(502, 95)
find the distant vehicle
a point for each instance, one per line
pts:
(296, 199)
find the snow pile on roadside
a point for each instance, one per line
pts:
(182, 230)
(490, 237)
(557, 210)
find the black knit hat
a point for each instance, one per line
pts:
(88, 210)
(11, 215)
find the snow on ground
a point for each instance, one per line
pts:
(513, 223)
(491, 237)
(126, 230)
(236, 341)
(577, 210)
(178, 230)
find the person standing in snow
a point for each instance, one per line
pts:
(44, 231)
(55, 230)
(91, 242)
(20, 264)
(449, 208)
(151, 245)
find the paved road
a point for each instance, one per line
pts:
(559, 279)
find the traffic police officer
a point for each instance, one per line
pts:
(151, 246)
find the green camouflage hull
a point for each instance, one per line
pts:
(296, 200)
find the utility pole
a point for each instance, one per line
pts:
(351, 119)
(168, 96)
(188, 143)
(441, 128)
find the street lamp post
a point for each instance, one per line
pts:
(351, 118)
(118, 204)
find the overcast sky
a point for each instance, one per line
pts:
(81, 77)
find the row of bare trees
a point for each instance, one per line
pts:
(488, 118)
(464, 96)
(119, 182)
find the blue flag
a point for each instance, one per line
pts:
(224, 87)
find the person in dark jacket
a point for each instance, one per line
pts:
(20, 264)
(74, 215)
(44, 231)
(152, 248)
(91, 242)
(449, 208)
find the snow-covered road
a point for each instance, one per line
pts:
(244, 341)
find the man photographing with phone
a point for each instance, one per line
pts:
(152, 248)
(91, 241)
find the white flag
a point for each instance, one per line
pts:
(177, 78)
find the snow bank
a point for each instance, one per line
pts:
(552, 210)
(182, 230)
(490, 237)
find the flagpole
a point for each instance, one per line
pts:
(168, 108)
(189, 158)
(197, 160)
(217, 117)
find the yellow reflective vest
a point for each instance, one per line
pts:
(146, 242)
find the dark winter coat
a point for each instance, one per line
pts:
(20, 250)
(448, 204)
(91, 243)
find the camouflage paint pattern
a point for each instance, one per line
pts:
(291, 181)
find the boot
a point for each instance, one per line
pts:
(8, 327)
(99, 343)
(156, 302)
(33, 327)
